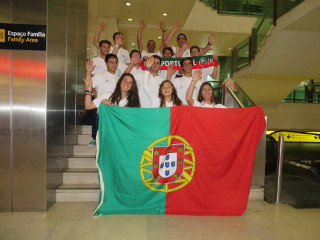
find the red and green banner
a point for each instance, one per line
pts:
(198, 62)
(180, 160)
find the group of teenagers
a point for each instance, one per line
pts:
(116, 78)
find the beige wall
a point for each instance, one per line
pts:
(293, 116)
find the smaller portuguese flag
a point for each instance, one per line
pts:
(197, 62)
(180, 160)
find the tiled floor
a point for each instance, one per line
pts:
(68, 221)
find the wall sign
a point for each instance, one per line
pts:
(22, 36)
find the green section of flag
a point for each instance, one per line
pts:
(123, 137)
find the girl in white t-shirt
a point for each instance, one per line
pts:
(167, 96)
(206, 97)
(124, 95)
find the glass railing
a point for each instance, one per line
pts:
(243, 97)
(210, 3)
(244, 52)
(262, 27)
(224, 68)
(240, 55)
(242, 7)
(304, 93)
(284, 6)
(231, 95)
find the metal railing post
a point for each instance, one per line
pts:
(279, 167)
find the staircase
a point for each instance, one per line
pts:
(80, 181)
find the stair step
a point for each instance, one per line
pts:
(78, 186)
(85, 129)
(80, 181)
(80, 176)
(256, 193)
(90, 192)
(71, 139)
(77, 193)
(82, 162)
(84, 150)
(84, 139)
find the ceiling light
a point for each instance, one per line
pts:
(133, 44)
(159, 37)
(229, 48)
(128, 4)
(164, 14)
(129, 19)
(221, 54)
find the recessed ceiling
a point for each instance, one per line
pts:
(185, 11)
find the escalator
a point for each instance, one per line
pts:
(301, 164)
(301, 168)
(301, 154)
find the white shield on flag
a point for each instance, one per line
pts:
(167, 164)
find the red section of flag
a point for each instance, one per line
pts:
(224, 143)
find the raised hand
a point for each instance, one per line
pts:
(163, 26)
(119, 39)
(179, 52)
(211, 38)
(197, 75)
(150, 61)
(89, 66)
(176, 25)
(171, 69)
(101, 26)
(142, 24)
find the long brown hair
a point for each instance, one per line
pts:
(133, 96)
(213, 97)
(174, 96)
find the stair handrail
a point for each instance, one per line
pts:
(234, 96)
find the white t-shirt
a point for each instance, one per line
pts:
(186, 53)
(155, 102)
(203, 104)
(163, 74)
(144, 53)
(205, 73)
(135, 71)
(182, 84)
(121, 68)
(123, 55)
(100, 65)
(97, 101)
(151, 86)
(105, 82)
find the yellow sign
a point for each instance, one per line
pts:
(297, 137)
(2, 35)
(187, 175)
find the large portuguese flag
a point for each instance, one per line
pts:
(180, 160)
